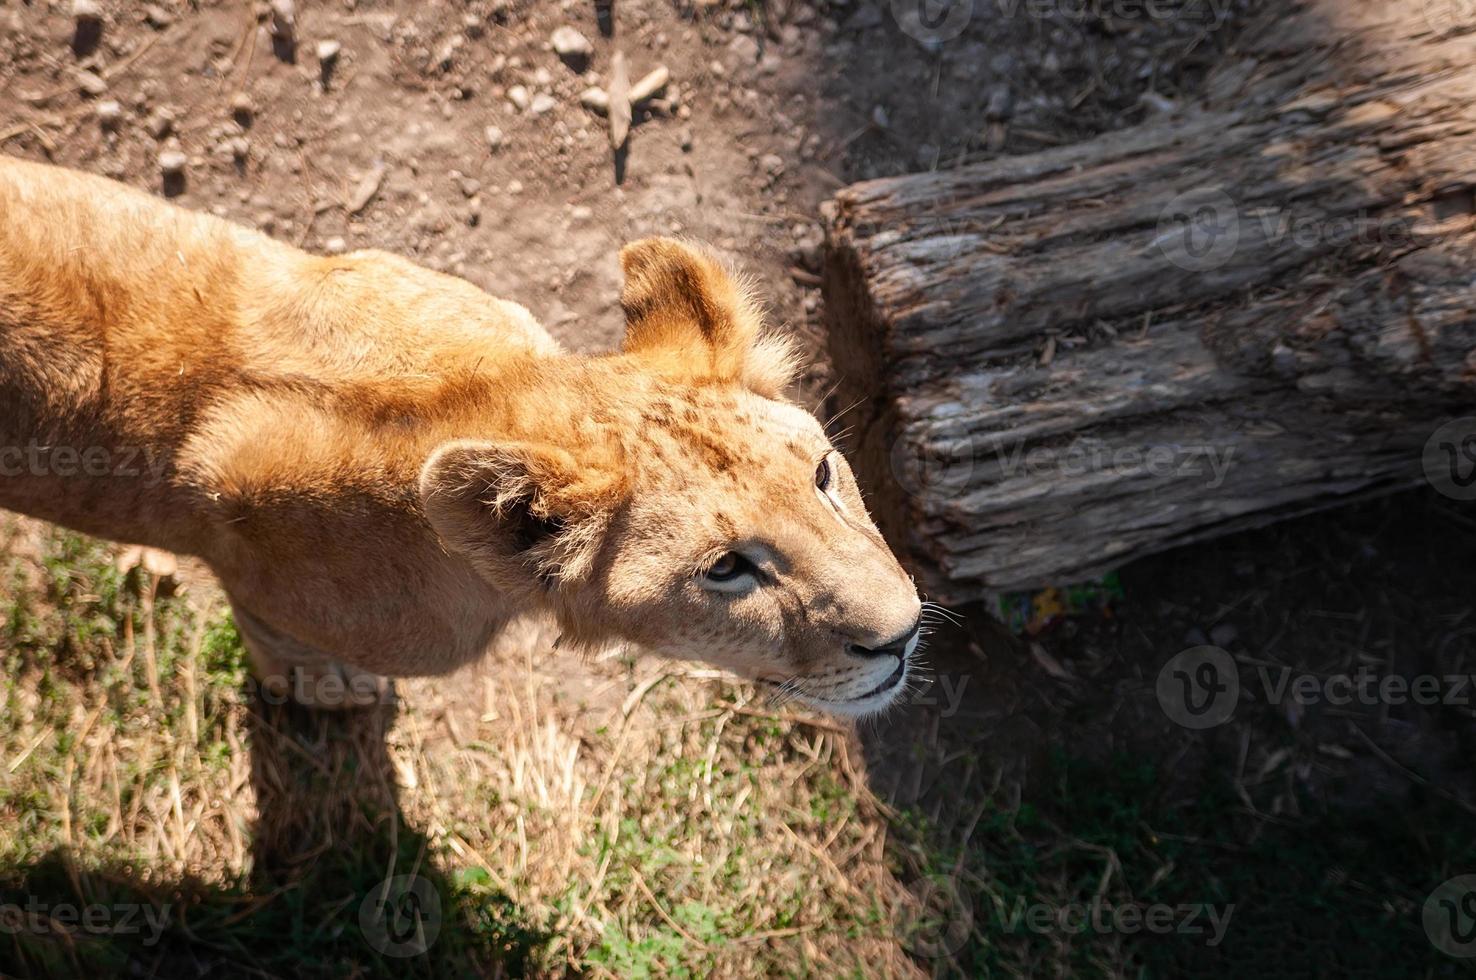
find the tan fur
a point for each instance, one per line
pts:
(384, 465)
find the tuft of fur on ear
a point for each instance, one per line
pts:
(692, 318)
(525, 516)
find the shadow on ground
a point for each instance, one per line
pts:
(1059, 781)
(340, 884)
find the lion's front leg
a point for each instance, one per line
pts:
(287, 668)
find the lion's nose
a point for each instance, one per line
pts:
(897, 647)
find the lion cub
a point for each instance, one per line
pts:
(385, 465)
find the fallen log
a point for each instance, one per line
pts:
(1070, 359)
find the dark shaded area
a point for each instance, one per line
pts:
(1328, 826)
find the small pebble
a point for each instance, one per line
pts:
(160, 123)
(1224, 635)
(335, 246)
(542, 102)
(172, 163)
(494, 138)
(109, 114)
(243, 108)
(570, 44)
(284, 20)
(519, 97)
(157, 17)
(87, 11)
(328, 52)
(91, 83)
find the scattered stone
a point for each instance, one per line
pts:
(239, 148)
(1158, 103)
(542, 102)
(745, 49)
(160, 123)
(1283, 360)
(157, 17)
(368, 187)
(494, 138)
(515, 187)
(172, 163)
(573, 47)
(87, 12)
(284, 21)
(519, 97)
(109, 114)
(1001, 103)
(242, 108)
(446, 55)
(772, 164)
(470, 186)
(594, 98)
(809, 247)
(335, 246)
(686, 137)
(879, 117)
(91, 83)
(328, 52)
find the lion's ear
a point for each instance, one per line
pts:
(505, 508)
(691, 318)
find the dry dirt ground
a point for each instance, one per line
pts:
(626, 817)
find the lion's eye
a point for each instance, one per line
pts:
(823, 475)
(729, 567)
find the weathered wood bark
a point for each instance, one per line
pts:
(1073, 358)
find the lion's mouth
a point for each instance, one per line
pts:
(892, 680)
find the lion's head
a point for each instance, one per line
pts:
(670, 496)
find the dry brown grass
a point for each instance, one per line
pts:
(639, 816)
